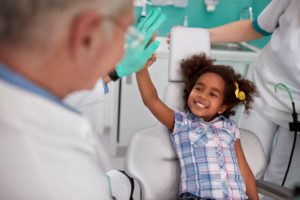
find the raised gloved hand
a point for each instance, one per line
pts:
(136, 56)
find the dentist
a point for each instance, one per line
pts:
(48, 50)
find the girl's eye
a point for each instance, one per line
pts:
(213, 95)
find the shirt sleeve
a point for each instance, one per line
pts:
(237, 133)
(105, 87)
(83, 98)
(268, 20)
(180, 118)
(233, 129)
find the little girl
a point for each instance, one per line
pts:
(213, 165)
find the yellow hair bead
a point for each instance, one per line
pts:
(239, 94)
(242, 96)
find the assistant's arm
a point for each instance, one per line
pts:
(239, 31)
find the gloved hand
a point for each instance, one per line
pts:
(137, 56)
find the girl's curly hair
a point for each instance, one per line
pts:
(196, 65)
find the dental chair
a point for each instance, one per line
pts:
(151, 159)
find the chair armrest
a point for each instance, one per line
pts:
(274, 191)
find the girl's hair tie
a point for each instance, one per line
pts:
(239, 94)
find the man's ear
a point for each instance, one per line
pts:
(222, 109)
(85, 37)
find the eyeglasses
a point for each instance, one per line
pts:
(133, 37)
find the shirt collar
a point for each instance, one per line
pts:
(217, 123)
(215, 120)
(20, 81)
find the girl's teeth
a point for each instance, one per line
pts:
(200, 105)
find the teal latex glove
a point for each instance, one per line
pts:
(137, 56)
(150, 24)
(135, 59)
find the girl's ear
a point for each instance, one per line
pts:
(222, 109)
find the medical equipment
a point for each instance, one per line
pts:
(211, 5)
(176, 3)
(144, 10)
(186, 21)
(181, 3)
(143, 4)
(247, 13)
(294, 126)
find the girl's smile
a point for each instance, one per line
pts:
(206, 97)
(201, 103)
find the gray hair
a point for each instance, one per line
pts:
(23, 20)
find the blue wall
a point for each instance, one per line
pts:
(226, 11)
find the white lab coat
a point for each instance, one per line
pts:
(83, 101)
(278, 62)
(47, 151)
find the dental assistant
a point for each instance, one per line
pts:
(278, 62)
(48, 50)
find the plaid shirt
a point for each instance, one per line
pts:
(209, 166)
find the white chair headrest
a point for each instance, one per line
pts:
(173, 96)
(186, 42)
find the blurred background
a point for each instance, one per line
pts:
(197, 15)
